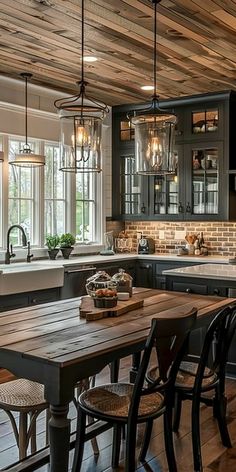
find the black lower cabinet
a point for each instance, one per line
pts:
(11, 302)
(75, 278)
(20, 300)
(209, 287)
(113, 267)
(75, 281)
(144, 274)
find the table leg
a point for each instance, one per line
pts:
(59, 437)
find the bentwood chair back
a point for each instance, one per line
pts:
(194, 380)
(121, 404)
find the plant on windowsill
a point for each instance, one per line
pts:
(66, 244)
(52, 242)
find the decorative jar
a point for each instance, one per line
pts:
(123, 282)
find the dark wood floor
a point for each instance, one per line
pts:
(215, 457)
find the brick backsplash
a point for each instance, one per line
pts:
(220, 237)
(115, 226)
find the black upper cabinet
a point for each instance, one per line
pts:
(204, 187)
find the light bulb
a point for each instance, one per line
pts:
(82, 137)
(156, 147)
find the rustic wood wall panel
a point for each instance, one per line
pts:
(196, 45)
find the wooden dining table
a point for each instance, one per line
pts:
(53, 345)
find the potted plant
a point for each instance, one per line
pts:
(66, 244)
(52, 242)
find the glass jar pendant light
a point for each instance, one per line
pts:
(26, 157)
(81, 126)
(154, 130)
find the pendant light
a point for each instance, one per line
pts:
(26, 157)
(81, 126)
(154, 130)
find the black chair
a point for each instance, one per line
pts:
(120, 404)
(194, 380)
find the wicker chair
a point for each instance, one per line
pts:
(120, 404)
(194, 380)
(26, 398)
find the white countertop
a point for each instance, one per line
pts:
(206, 271)
(95, 259)
(19, 277)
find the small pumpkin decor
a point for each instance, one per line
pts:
(66, 244)
(52, 243)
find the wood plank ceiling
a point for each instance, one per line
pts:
(196, 45)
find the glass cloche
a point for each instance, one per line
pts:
(123, 282)
(100, 280)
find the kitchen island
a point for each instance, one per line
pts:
(206, 279)
(52, 345)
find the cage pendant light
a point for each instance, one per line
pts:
(81, 126)
(26, 157)
(154, 129)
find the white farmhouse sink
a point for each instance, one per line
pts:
(26, 277)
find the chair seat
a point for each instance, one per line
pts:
(22, 394)
(114, 400)
(186, 375)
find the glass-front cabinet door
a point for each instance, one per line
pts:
(166, 192)
(203, 188)
(165, 195)
(205, 121)
(133, 191)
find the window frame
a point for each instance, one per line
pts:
(39, 201)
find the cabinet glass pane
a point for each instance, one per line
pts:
(205, 121)
(130, 185)
(166, 195)
(205, 181)
(126, 130)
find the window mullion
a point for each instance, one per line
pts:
(5, 174)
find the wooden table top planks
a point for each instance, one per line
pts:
(55, 332)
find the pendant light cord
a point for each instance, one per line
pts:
(26, 111)
(82, 59)
(26, 76)
(155, 50)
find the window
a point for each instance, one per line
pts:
(54, 185)
(1, 187)
(21, 196)
(46, 200)
(85, 207)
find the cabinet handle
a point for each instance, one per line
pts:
(86, 269)
(34, 300)
(188, 290)
(181, 208)
(145, 267)
(188, 208)
(143, 208)
(216, 291)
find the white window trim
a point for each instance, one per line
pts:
(40, 251)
